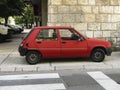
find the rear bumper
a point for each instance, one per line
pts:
(108, 51)
(22, 51)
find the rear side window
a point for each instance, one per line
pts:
(47, 34)
(28, 34)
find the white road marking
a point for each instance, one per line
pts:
(106, 82)
(30, 76)
(56, 86)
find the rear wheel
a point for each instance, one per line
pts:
(97, 55)
(33, 57)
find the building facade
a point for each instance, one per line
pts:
(95, 18)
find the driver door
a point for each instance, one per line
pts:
(71, 46)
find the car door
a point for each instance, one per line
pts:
(71, 45)
(48, 43)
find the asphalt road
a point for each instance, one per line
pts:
(61, 80)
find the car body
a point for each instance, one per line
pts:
(61, 42)
(15, 29)
(5, 32)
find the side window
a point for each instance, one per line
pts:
(67, 34)
(47, 34)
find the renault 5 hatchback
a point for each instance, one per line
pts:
(61, 42)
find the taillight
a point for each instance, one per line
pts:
(21, 44)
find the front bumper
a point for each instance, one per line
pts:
(108, 51)
(22, 51)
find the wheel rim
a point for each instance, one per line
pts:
(33, 57)
(98, 55)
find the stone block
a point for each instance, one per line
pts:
(106, 9)
(53, 9)
(19, 69)
(115, 34)
(29, 69)
(95, 9)
(7, 69)
(79, 18)
(114, 18)
(63, 9)
(106, 33)
(83, 2)
(90, 18)
(101, 17)
(68, 18)
(69, 2)
(117, 9)
(109, 26)
(54, 18)
(91, 2)
(60, 18)
(114, 2)
(98, 34)
(98, 67)
(94, 26)
(47, 68)
(90, 34)
(69, 24)
(72, 67)
(56, 2)
(102, 2)
(86, 9)
(80, 26)
(74, 9)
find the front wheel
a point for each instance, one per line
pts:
(97, 55)
(33, 57)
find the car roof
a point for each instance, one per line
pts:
(54, 27)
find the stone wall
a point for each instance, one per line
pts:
(93, 18)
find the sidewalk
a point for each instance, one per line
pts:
(14, 62)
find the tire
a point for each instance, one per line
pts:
(97, 55)
(33, 57)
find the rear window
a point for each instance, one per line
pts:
(47, 34)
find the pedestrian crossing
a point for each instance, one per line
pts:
(30, 80)
(55, 81)
(106, 82)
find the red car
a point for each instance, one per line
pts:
(61, 42)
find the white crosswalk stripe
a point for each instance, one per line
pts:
(35, 87)
(30, 76)
(50, 86)
(106, 82)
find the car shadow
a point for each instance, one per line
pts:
(66, 60)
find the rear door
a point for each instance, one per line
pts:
(71, 46)
(48, 43)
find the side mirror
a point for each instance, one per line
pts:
(80, 39)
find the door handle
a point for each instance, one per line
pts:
(39, 42)
(63, 42)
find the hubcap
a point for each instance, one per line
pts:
(33, 57)
(98, 55)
